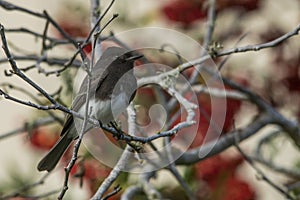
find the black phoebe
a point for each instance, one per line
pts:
(113, 86)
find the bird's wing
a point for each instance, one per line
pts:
(80, 98)
(99, 73)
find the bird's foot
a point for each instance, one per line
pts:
(119, 134)
(138, 147)
(117, 127)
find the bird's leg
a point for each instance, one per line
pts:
(135, 145)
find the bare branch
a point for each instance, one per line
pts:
(172, 168)
(29, 94)
(272, 166)
(291, 127)
(267, 114)
(119, 167)
(27, 126)
(258, 47)
(42, 195)
(127, 138)
(265, 140)
(219, 145)
(26, 188)
(247, 48)
(52, 40)
(131, 191)
(114, 192)
(215, 92)
(18, 72)
(49, 61)
(95, 13)
(61, 31)
(211, 23)
(110, 179)
(260, 172)
(148, 188)
(83, 128)
(9, 6)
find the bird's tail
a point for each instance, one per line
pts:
(51, 159)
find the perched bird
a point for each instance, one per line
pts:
(112, 88)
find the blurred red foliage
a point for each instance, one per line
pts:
(246, 5)
(43, 138)
(205, 120)
(222, 182)
(187, 12)
(92, 172)
(212, 167)
(292, 78)
(75, 29)
(184, 11)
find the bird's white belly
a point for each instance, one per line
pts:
(108, 110)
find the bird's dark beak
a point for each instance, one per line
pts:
(135, 57)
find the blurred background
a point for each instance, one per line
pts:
(273, 73)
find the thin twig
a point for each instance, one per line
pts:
(258, 47)
(116, 190)
(44, 45)
(9, 6)
(18, 72)
(260, 172)
(52, 40)
(26, 188)
(290, 127)
(83, 128)
(150, 191)
(222, 63)
(33, 97)
(211, 23)
(203, 56)
(219, 93)
(131, 191)
(95, 23)
(59, 28)
(266, 139)
(110, 179)
(120, 166)
(172, 168)
(246, 48)
(276, 168)
(27, 126)
(207, 39)
(78, 142)
(41, 196)
(88, 38)
(95, 13)
(49, 61)
(127, 138)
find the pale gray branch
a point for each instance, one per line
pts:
(119, 167)
(219, 93)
